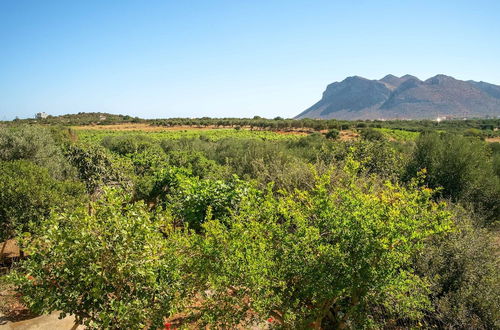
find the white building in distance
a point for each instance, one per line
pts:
(41, 115)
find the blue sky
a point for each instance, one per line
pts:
(159, 59)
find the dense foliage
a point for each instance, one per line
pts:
(393, 225)
(28, 194)
(462, 167)
(36, 144)
(326, 258)
(112, 268)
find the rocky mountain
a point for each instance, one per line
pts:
(406, 97)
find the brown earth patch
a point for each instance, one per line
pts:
(9, 249)
(493, 139)
(11, 307)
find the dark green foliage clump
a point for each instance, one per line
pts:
(28, 194)
(462, 167)
(35, 144)
(463, 269)
(95, 166)
(332, 134)
(371, 134)
(495, 148)
(127, 144)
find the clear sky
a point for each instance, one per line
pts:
(159, 59)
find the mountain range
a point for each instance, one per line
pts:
(406, 97)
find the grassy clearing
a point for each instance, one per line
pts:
(96, 135)
(398, 135)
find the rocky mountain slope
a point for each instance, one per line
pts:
(406, 97)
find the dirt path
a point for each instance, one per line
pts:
(44, 322)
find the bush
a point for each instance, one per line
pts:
(377, 157)
(371, 134)
(115, 268)
(193, 201)
(35, 144)
(495, 148)
(329, 258)
(197, 163)
(462, 167)
(28, 194)
(463, 269)
(127, 144)
(96, 167)
(332, 134)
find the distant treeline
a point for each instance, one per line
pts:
(279, 123)
(480, 127)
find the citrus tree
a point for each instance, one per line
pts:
(334, 257)
(117, 268)
(28, 193)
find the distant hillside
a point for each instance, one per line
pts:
(406, 97)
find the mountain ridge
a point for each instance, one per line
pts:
(405, 97)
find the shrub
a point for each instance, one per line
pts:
(328, 258)
(127, 144)
(193, 201)
(96, 167)
(462, 167)
(332, 134)
(28, 194)
(495, 148)
(35, 144)
(371, 134)
(115, 268)
(463, 270)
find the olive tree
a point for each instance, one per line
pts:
(462, 167)
(36, 144)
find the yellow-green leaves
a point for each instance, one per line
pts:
(329, 255)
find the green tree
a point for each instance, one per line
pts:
(327, 258)
(96, 167)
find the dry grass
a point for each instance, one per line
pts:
(493, 139)
(348, 135)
